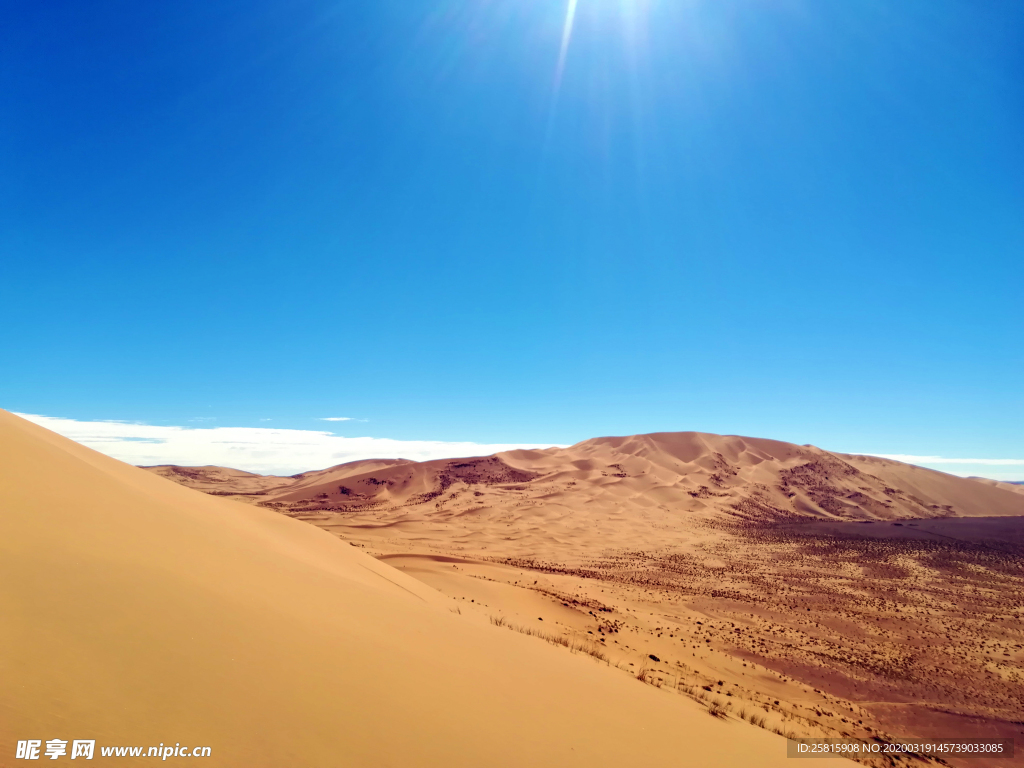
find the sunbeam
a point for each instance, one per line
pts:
(570, 18)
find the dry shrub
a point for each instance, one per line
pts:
(717, 710)
(573, 644)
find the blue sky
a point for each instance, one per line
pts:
(799, 220)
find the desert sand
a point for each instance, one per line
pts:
(1012, 487)
(138, 612)
(222, 481)
(809, 592)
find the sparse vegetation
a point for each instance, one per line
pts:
(575, 645)
(717, 710)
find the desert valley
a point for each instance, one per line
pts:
(801, 591)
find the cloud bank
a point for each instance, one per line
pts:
(908, 459)
(253, 449)
(995, 469)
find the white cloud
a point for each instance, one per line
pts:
(336, 418)
(254, 449)
(943, 460)
(994, 469)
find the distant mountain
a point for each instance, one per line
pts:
(709, 477)
(223, 481)
(1013, 486)
(220, 481)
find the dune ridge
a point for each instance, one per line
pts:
(1011, 487)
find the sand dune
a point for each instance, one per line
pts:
(631, 491)
(139, 612)
(1012, 487)
(310, 480)
(221, 481)
(224, 481)
(736, 476)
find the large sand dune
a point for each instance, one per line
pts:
(136, 612)
(628, 491)
(1012, 487)
(743, 477)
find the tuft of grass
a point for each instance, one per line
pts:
(754, 718)
(573, 644)
(717, 710)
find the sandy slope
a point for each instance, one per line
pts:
(224, 481)
(221, 481)
(136, 611)
(1012, 487)
(341, 472)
